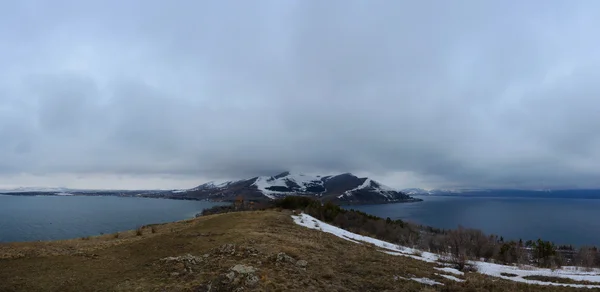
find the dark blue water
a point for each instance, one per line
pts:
(25, 218)
(561, 220)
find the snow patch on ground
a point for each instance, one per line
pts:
(425, 281)
(452, 278)
(450, 270)
(489, 269)
(496, 270)
(312, 223)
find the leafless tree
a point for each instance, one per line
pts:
(586, 257)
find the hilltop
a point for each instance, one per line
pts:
(240, 251)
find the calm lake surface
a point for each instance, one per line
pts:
(25, 218)
(561, 220)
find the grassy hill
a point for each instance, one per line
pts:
(241, 251)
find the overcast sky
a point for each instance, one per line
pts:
(170, 94)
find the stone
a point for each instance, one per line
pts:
(174, 274)
(227, 249)
(251, 280)
(302, 263)
(188, 259)
(282, 257)
(243, 269)
(230, 276)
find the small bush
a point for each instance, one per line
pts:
(139, 232)
(153, 229)
(459, 262)
(116, 235)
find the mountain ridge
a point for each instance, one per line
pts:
(343, 188)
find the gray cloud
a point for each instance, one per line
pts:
(463, 93)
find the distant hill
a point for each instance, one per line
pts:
(508, 193)
(344, 188)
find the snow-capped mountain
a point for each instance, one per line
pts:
(415, 191)
(343, 188)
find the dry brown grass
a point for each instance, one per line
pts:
(133, 263)
(558, 280)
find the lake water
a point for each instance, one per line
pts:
(561, 220)
(25, 218)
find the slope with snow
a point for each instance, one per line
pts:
(342, 188)
(288, 183)
(490, 269)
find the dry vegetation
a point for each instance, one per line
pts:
(287, 257)
(557, 280)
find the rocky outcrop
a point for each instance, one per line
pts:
(243, 275)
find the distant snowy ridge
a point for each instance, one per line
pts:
(301, 183)
(61, 190)
(35, 190)
(343, 188)
(207, 186)
(419, 191)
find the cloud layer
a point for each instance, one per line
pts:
(463, 93)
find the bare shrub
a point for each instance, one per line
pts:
(459, 261)
(458, 241)
(586, 257)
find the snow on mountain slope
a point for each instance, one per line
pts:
(207, 186)
(264, 183)
(329, 188)
(486, 268)
(289, 183)
(372, 186)
(365, 184)
(415, 191)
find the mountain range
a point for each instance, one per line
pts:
(344, 188)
